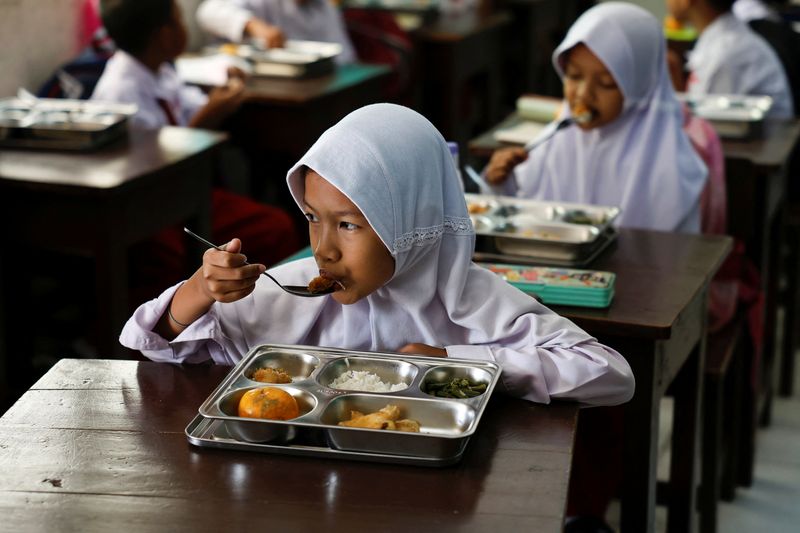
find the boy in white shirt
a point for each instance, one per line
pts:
(149, 35)
(730, 58)
(273, 21)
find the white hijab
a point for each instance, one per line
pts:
(642, 161)
(396, 167)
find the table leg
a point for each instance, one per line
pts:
(687, 390)
(638, 497)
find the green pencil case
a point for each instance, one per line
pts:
(559, 286)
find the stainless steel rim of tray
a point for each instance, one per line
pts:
(61, 124)
(445, 424)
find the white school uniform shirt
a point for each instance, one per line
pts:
(730, 58)
(747, 10)
(393, 164)
(642, 161)
(314, 20)
(125, 79)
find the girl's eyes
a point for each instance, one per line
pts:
(349, 226)
(311, 217)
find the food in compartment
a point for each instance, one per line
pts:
(363, 380)
(475, 208)
(386, 418)
(579, 216)
(270, 375)
(268, 402)
(461, 388)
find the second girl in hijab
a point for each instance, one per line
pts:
(632, 151)
(388, 221)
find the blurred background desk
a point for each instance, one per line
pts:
(97, 204)
(100, 445)
(282, 118)
(459, 66)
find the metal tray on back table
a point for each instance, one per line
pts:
(61, 124)
(732, 116)
(555, 233)
(445, 423)
(297, 59)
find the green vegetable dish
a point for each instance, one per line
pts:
(455, 388)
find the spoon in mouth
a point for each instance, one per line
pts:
(297, 290)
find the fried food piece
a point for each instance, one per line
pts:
(582, 114)
(320, 284)
(385, 418)
(271, 375)
(476, 208)
(410, 426)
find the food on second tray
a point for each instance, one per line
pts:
(268, 402)
(461, 388)
(271, 375)
(477, 208)
(362, 380)
(386, 418)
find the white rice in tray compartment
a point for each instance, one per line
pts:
(361, 380)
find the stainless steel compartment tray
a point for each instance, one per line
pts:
(558, 232)
(61, 124)
(732, 116)
(445, 424)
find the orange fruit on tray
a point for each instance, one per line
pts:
(268, 402)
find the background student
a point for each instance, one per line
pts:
(632, 152)
(272, 22)
(149, 34)
(388, 222)
(730, 58)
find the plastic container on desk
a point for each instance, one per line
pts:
(559, 286)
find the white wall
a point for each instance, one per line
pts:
(36, 36)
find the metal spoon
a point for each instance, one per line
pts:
(297, 290)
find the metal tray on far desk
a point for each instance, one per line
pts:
(61, 124)
(445, 424)
(297, 60)
(732, 116)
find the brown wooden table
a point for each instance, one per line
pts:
(657, 321)
(98, 204)
(282, 118)
(100, 445)
(459, 64)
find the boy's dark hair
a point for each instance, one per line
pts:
(722, 6)
(132, 23)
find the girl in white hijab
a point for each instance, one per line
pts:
(632, 152)
(389, 223)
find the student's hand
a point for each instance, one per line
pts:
(503, 162)
(226, 276)
(222, 103)
(236, 73)
(423, 349)
(271, 36)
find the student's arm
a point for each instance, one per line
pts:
(224, 277)
(235, 20)
(222, 103)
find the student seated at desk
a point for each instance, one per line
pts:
(729, 57)
(388, 224)
(632, 152)
(273, 21)
(149, 34)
